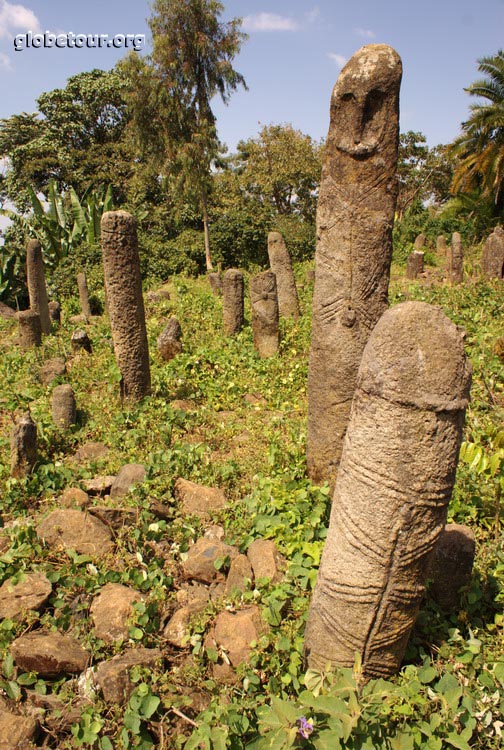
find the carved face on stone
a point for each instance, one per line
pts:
(364, 104)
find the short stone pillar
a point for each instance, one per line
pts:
(123, 285)
(168, 343)
(29, 329)
(64, 408)
(394, 483)
(451, 565)
(456, 260)
(55, 312)
(215, 282)
(81, 341)
(355, 216)
(232, 301)
(419, 243)
(37, 291)
(415, 264)
(23, 446)
(264, 302)
(84, 295)
(281, 265)
(441, 246)
(492, 261)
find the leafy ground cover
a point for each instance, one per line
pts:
(242, 428)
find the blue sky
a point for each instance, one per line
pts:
(290, 61)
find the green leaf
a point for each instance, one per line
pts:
(149, 705)
(426, 675)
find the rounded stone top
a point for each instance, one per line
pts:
(232, 272)
(29, 314)
(415, 356)
(275, 237)
(33, 244)
(373, 63)
(118, 221)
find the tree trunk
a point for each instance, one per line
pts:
(204, 207)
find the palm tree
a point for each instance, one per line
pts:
(479, 151)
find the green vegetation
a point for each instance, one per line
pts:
(450, 692)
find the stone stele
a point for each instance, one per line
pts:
(355, 216)
(29, 329)
(264, 303)
(23, 446)
(37, 291)
(492, 261)
(123, 286)
(64, 408)
(392, 491)
(281, 265)
(232, 301)
(83, 295)
(455, 259)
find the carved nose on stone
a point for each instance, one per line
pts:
(349, 317)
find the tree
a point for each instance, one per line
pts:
(424, 174)
(171, 95)
(282, 168)
(479, 151)
(75, 138)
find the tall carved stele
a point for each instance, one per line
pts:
(394, 483)
(355, 216)
(123, 287)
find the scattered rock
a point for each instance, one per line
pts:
(239, 573)
(256, 399)
(30, 593)
(51, 370)
(116, 518)
(16, 732)
(49, 654)
(198, 500)
(451, 565)
(235, 633)
(129, 475)
(199, 564)
(59, 715)
(6, 312)
(175, 631)
(112, 676)
(73, 497)
(182, 404)
(168, 342)
(111, 611)
(265, 560)
(99, 485)
(80, 340)
(161, 510)
(73, 529)
(90, 452)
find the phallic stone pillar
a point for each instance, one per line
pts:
(419, 243)
(37, 291)
(451, 564)
(232, 301)
(215, 282)
(84, 295)
(23, 446)
(29, 329)
(80, 340)
(64, 409)
(281, 265)
(55, 312)
(264, 303)
(415, 264)
(123, 285)
(392, 490)
(441, 247)
(168, 343)
(456, 260)
(355, 216)
(492, 261)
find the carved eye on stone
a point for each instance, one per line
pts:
(373, 108)
(348, 97)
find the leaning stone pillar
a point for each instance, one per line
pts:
(392, 491)
(232, 301)
(264, 303)
(441, 248)
(281, 265)
(419, 243)
(37, 291)
(84, 295)
(456, 273)
(29, 329)
(355, 216)
(492, 259)
(123, 286)
(23, 446)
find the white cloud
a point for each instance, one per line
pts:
(338, 59)
(269, 22)
(366, 33)
(16, 17)
(5, 62)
